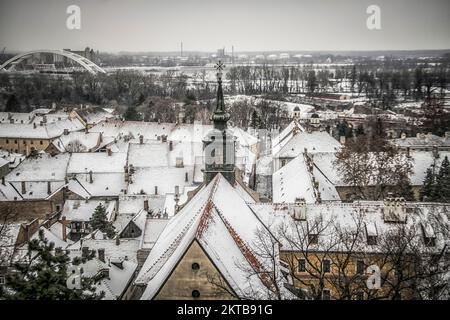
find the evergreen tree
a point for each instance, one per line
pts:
(131, 114)
(255, 122)
(44, 274)
(405, 190)
(99, 221)
(428, 185)
(442, 181)
(12, 104)
(359, 130)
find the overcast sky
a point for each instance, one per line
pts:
(205, 25)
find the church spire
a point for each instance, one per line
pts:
(220, 116)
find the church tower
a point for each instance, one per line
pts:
(219, 143)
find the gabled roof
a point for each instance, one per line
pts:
(220, 220)
(316, 141)
(86, 142)
(297, 180)
(285, 136)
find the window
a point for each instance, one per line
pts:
(195, 294)
(313, 238)
(2, 280)
(430, 241)
(31, 142)
(326, 266)
(371, 240)
(360, 295)
(195, 266)
(326, 295)
(7, 141)
(24, 142)
(301, 265)
(40, 142)
(360, 267)
(15, 141)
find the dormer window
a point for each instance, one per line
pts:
(372, 233)
(429, 237)
(313, 238)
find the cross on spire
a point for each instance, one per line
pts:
(219, 67)
(220, 116)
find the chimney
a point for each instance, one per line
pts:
(408, 152)
(108, 150)
(44, 119)
(179, 162)
(86, 131)
(66, 132)
(170, 145)
(101, 254)
(435, 152)
(3, 180)
(156, 189)
(101, 137)
(164, 138)
(146, 205)
(64, 231)
(24, 190)
(49, 187)
(342, 139)
(177, 199)
(34, 125)
(90, 177)
(186, 177)
(117, 240)
(141, 139)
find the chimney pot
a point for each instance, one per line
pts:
(146, 205)
(101, 254)
(91, 180)
(64, 231)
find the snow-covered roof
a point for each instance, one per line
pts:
(77, 142)
(14, 159)
(144, 180)
(97, 162)
(93, 115)
(285, 136)
(8, 239)
(316, 141)
(15, 117)
(116, 128)
(82, 210)
(148, 154)
(44, 131)
(423, 141)
(222, 223)
(298, 179)
(52, 237)
(348, 216)
(420, 161)
(43, 167)
(103, 185)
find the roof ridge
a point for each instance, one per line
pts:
(246, 252)
(158, 264)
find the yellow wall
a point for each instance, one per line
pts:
(23, 146)
(184, 279)
(303, 279)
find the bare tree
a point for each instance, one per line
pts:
(373, 167)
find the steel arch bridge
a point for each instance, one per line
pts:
(85, 63)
